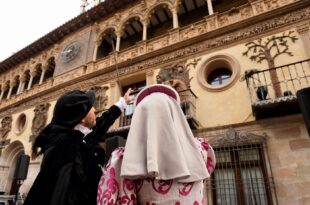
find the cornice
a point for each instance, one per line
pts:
(188, 48)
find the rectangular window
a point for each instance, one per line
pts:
(241, 176)
(125, 119)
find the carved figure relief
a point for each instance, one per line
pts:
(101, 98)
(39, 120)
(6, 126)
(268, 50)
(176, 76)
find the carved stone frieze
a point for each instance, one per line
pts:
(272, 4)
(39, 120)
(232, 137)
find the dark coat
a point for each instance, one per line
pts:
(71, 165)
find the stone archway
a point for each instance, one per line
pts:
(7, 166)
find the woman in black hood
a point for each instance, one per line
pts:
(72, 158)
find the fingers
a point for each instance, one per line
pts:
(128, 91)
(127, 95)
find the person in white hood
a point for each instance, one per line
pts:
(162, 162)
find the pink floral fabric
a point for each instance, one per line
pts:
(116, 190)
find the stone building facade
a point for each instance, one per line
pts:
(237, 66)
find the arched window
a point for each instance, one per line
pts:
(225, 5)
(37, 75)
(26, 76)
(6, 89)
(107, 45)
(160, 21)
(16, 83)
(49, 73)
(192, 11)
(132, 33)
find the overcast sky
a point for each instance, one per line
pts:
(23, 22)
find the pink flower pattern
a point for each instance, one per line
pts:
(116, 190)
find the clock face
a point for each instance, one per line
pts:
(70, 52)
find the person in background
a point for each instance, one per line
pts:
(162, 162)
(72, 157)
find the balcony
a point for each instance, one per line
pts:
(273, 91)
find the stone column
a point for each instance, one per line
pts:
(175, 18)
(2, 92)
(31, 79)
(42, 75)
(150, 77)
(97, 44)
(115, 94)
(22, 85)
(210, 7)
(304, 32)
(19, 86)
(10, 90)
(144, 35)
(118, 41)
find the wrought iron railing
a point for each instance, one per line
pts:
(188, 105)
(277, 84)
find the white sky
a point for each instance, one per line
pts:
(23, 22)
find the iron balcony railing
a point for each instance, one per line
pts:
(188, 105)
(278, 84)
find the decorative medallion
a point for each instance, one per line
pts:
(70, 51)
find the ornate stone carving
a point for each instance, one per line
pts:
(176, 76)
(39, 120)
(101, 98)
(193, 63)
(246, 12)
(258, 7)
(6, 126)
(232, 137)
(172, 72)
(272, 4)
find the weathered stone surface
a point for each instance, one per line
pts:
(299, 144)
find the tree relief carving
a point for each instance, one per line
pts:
(268, 50)
(39, 120)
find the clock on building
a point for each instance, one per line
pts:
(70, 51)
